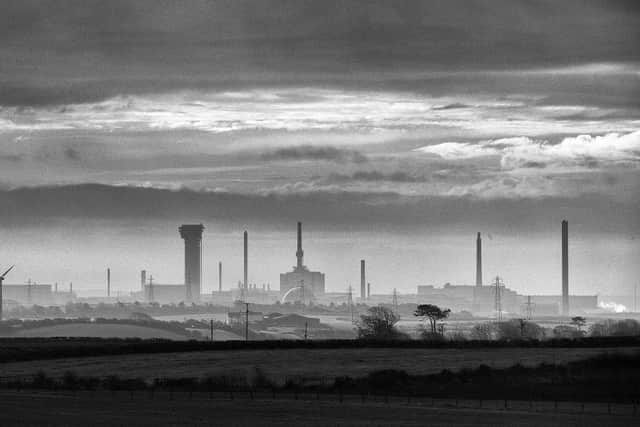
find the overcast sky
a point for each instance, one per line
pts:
(393, 129)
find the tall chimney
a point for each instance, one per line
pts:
(299, 252)
(478, 260)
(565, 268)
(368, 290)
(143, 278)
(220, 276)
(192, 235)
(363, 284)
(108, 282)
(246, 260)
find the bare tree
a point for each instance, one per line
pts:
(379, 323)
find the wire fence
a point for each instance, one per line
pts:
(541, 406)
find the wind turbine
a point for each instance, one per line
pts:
(2, 280)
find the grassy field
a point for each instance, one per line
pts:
(281, 364)
(99, 330)
(64, 409)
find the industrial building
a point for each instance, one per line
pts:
(28, 294)
(301, 284)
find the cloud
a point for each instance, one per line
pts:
(375, 176)
(313, 153)
(339, 209)
(524, 152)
(86, 51)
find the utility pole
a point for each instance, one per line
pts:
(211, 325)
(108, 282)
(498, 285)
(306, 328)
(246, 322)
(528, 308)
(220, 276)
(395, 300)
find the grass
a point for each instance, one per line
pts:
(312, 363)
(99, 330)
(105, 409)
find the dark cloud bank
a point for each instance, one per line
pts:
(49, 47)
(333, 210)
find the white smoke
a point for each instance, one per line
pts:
(612, 306)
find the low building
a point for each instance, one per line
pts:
(165, 294)
(28, 294)
(240, 317)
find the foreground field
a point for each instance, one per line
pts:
(99, 331)
(300, 362)
(60, 409)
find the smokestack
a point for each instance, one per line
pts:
(108, 282)
(368, 290)
(479, 260)
(192, 235)
(56, 287)
(246, 260)
(565, 268)
(220, 276)
(362, 280)
(299, 252)
(143, 279)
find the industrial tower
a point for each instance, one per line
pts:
(565, 268)
(192, 235)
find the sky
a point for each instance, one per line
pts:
(393, 130)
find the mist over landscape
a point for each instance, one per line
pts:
(329, 212)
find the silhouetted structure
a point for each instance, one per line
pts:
(143, 279)
(220, 276)
(108, 282)
(308, 283)
(363, 284)
(192, 235)
(565, 268)
(479, 260)
(245, 284)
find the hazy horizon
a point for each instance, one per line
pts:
(393, 130)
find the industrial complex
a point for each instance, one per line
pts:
(302, 285)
